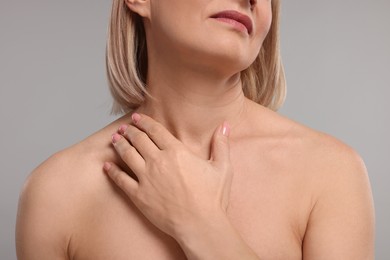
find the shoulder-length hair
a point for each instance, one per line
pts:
(126, 63)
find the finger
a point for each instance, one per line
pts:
(129, 155)
(139, 140)
(121, 179)
(220, 151)
(157, 132)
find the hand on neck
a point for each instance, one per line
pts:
(192, 105)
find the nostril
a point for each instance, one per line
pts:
(252, 2)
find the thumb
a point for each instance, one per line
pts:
(220, 152)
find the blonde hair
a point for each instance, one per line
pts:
(126, 63)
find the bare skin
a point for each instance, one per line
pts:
(296, 193)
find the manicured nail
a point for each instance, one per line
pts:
(225, 129)
(116, 137)
(135, 117)
(107, 166)
(123, 128)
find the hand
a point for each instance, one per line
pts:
(176, 188)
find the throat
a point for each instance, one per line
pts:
(193, 120)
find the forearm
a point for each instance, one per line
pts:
(214, 238)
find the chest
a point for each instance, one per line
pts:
(266, 207)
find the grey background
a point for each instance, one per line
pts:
(53, 88)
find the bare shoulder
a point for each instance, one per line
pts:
(49, 204)
(77, 168)
(64, 173)
(341, 220)
(58, 195)
(73, 170)
(329, 155)
(329, 161)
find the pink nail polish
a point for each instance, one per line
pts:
(225, 129)
(135, 117)
(116, 137)
(123, 129)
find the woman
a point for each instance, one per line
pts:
(200, 166)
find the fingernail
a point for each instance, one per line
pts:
(225, 129)
(135, 117)
(122, 129)
(107, 166)
(116, 137)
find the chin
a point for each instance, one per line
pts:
(231, 50)
(227, 65)
(225, 52)
(231, 60)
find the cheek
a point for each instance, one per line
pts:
(174, 19)
(176, 13)
(262, 27)
(264, 21)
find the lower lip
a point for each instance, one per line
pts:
(237, 25)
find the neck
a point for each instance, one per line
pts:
(192, 105)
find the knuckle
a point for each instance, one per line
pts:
(154, 157)
(154, 130)
(173, 152)
(136, 137)
(128, 154)
(177, 155)
(176, 148)
(140, 198)
(118, 179)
